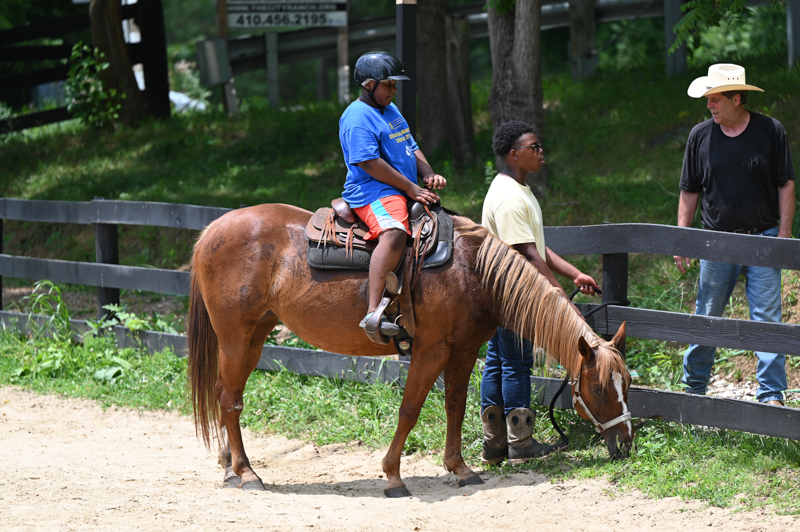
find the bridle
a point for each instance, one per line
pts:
(577, 399)
(576, 395)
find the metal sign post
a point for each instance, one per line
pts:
(407, 53)
(229, 100)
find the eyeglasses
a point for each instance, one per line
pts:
(536, 146)
(390, 86)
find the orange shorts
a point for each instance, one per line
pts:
(390, 212)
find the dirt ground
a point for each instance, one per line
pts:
(71, 466)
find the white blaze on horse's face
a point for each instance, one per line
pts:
(616, 378)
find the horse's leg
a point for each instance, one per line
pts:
(422, 373)
(231, 479)
(456, 379)
(234, 371)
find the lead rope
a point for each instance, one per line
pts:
(564, 439)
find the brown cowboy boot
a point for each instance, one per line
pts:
(522, 447)
(495, 442)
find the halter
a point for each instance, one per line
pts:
(599, 427)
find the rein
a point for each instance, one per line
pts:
(576, 398)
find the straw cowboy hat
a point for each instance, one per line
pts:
(721, 77)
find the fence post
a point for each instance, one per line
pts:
(793, 31)
(342, 62)
(271, 54)
(582, 36)
(676, 62)
(106, 249)
(154, 51)
(407, 53)
(615, 282)
(229, 101)
(1, 251)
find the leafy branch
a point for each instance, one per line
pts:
(704, 14)
(87, 97)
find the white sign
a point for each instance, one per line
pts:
(286, 13)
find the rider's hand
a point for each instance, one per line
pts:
(682, 263)
(434, 181)
(586, 284)
(422, 195)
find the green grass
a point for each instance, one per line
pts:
(722, 468)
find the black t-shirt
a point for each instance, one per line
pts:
(738, 176)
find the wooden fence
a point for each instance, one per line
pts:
(151, 52)
(613, 241)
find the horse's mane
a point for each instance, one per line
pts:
(533, 308)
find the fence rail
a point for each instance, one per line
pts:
(614, 242)
(150, 52)
(248, 53)
(732, 414)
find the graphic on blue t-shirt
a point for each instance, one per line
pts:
(366, 134)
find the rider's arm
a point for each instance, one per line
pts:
(385, 173)
(426, 173)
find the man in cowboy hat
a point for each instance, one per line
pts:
(738, 161)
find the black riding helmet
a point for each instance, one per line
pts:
(379, 66)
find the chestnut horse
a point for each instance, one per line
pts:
(249, 270)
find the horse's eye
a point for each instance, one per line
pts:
(596, 390)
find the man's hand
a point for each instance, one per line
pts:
(586, 284)
(682, 263)
(434, 181)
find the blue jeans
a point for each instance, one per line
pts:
(506, 377)
(763, 287)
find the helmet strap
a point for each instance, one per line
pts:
(371, 95)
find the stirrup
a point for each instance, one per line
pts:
(377, 327)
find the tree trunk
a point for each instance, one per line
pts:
(107, 37)
(462, 135)
(431, 75)
(516, 93)
(443, 87)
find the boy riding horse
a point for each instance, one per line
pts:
(383, 166)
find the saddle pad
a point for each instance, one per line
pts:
(331, 257)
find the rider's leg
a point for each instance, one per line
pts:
(385, 258)
(387, 219)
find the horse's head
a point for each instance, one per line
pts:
(600, 393)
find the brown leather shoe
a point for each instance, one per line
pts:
(775, 402)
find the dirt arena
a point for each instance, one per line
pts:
(71, 466)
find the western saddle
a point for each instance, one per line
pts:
(336, 241)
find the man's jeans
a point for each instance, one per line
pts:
(507, 375)
(763, 288)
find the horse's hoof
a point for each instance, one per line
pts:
(253, 485)
(232, 482)
(396, 493)
(470, 481)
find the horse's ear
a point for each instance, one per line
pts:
(585, 349)
(619, 338)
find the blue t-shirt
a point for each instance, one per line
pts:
(366, 134)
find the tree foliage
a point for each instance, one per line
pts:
(704, 14)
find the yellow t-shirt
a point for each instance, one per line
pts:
(511, 213)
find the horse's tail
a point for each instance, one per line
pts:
(203, 348)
